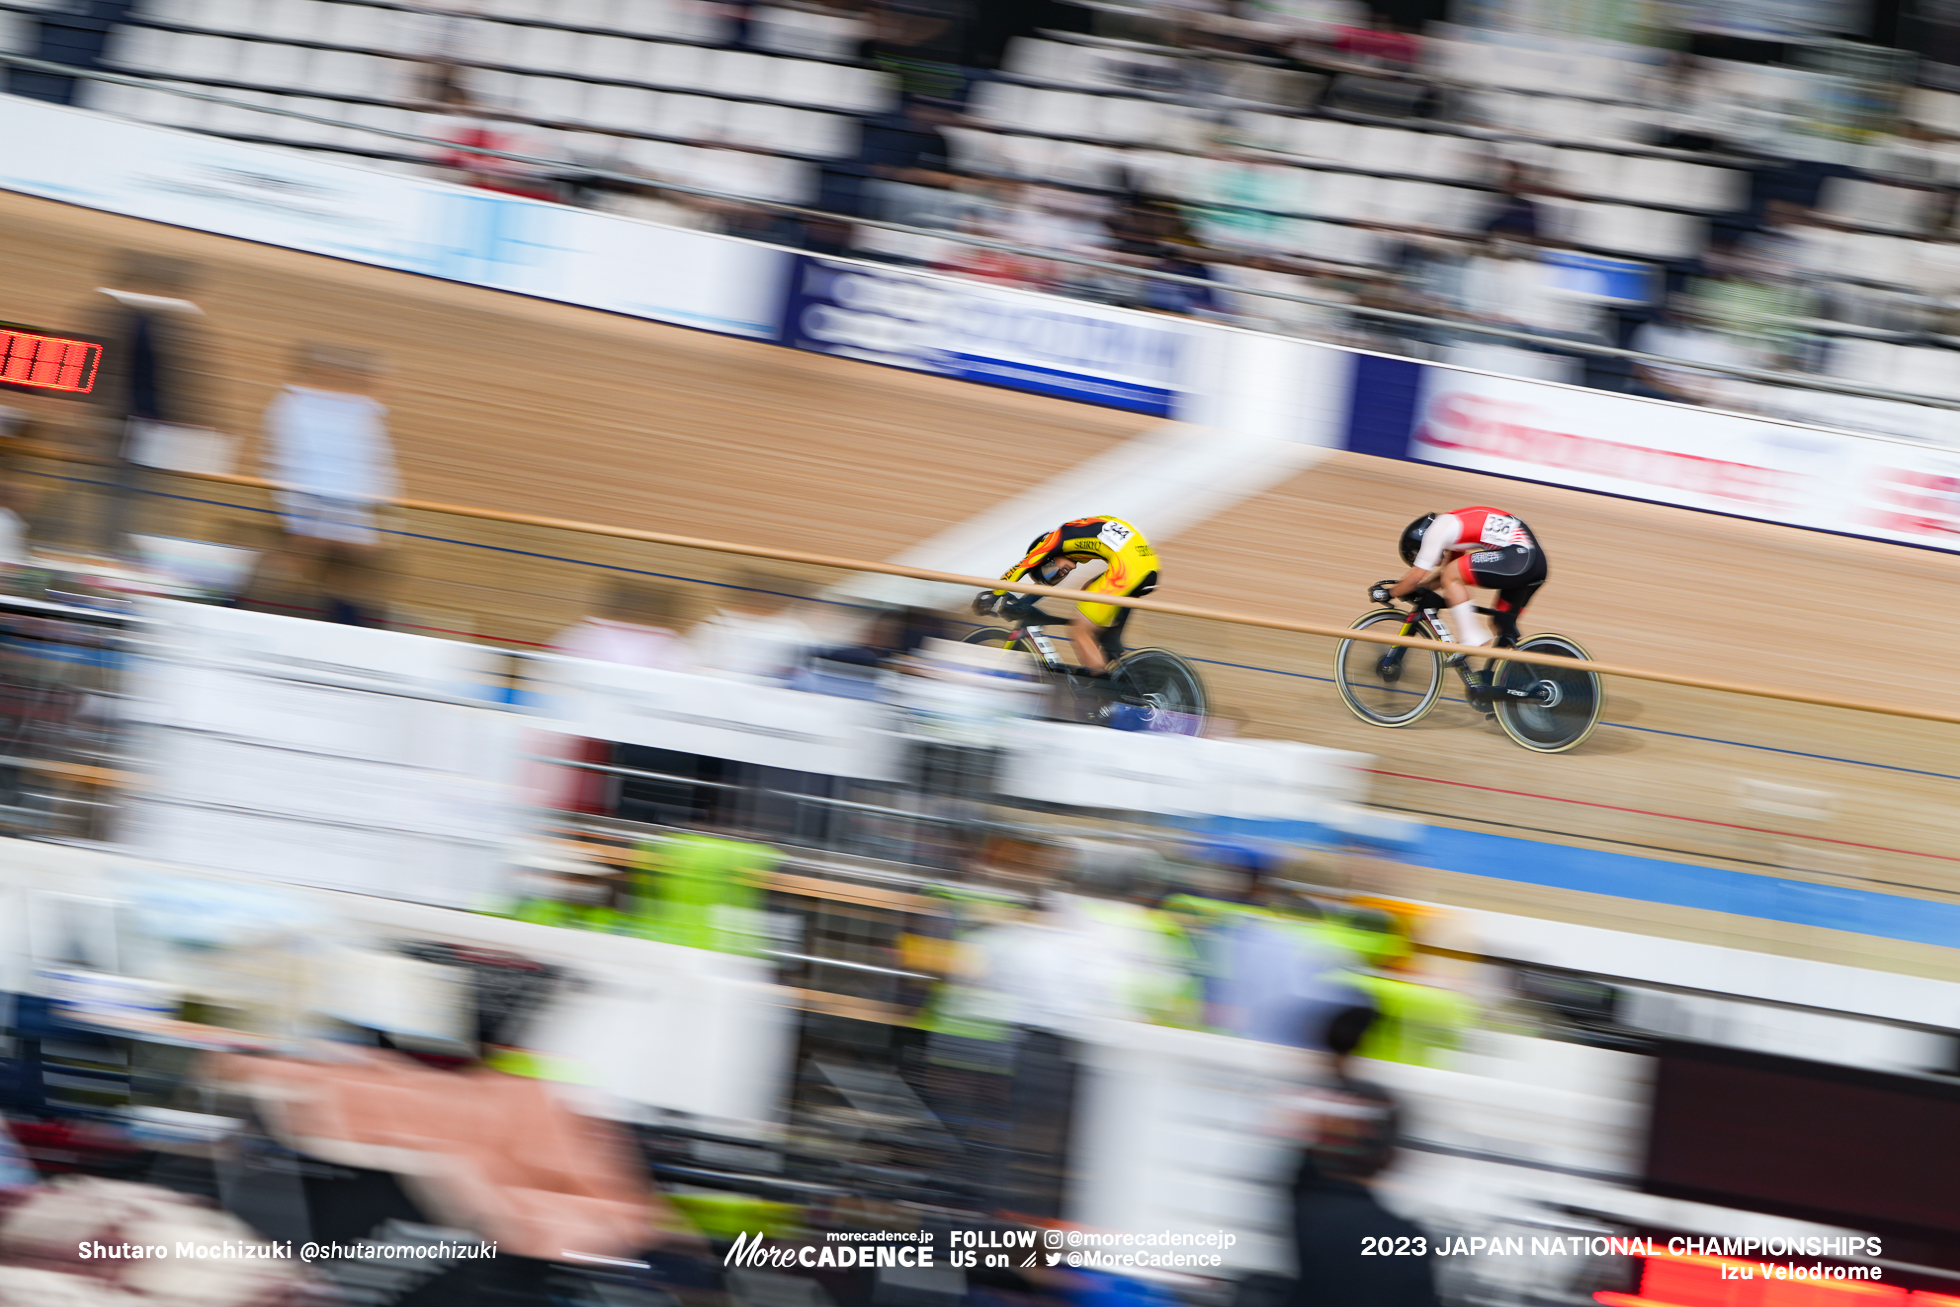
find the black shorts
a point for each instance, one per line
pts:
(1514, 571)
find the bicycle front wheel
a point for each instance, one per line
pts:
(994, 637)
(1567, 701)
(1388, 684)
(1159, 679)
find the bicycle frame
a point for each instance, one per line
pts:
(1425, 620)
(1037, 635)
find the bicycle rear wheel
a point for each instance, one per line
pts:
(1159, 679)
(1387, 684)
(1570, 700)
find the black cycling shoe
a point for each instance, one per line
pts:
(1477, 686)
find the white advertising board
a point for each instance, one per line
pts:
(1763, 468)
(1180, 775)
(331, 756)
(283, 198)
(717, 718)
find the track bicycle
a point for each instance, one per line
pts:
(1545, 709)
(1157, 681)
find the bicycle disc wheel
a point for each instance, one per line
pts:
(1570, 704)
(1386, 684)
(1161, 680)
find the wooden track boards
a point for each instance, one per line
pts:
(504, 402)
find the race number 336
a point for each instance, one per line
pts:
(1502, 530)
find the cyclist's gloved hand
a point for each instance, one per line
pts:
(986, 602)
(1017, 607)
(1379, 592)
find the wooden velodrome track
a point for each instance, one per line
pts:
(513, 404)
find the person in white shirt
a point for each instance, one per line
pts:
(757, 637)
(327, 446)
(635, 627)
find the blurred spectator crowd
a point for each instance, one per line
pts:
(1777, 200)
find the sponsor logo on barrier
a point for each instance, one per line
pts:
(1009, 338)
(1913, 502)
(1457, 423)
(1774, 470)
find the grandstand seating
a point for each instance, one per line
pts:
(674, 90)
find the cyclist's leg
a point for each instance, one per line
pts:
(1110, 619)
(1515, 572)
(1516, 576)
(1510, 605)
(1456, 581)
(1112, 634)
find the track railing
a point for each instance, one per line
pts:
(1286, 624)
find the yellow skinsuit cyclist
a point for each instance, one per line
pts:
(1096, 630)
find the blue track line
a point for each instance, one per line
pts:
(1650, 730)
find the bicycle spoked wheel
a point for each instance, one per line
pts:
(1160, 680)
(1569, 704)
(1387, 684)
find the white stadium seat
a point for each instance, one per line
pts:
(650, 18)
(343, 72)
(538, 10)
(677, 67)
(655, 158)
(821, 85)
(627, 108)
(1594, 172)
(693, 117)
(237, 16)
(1322, 138)
(181, 12)
(595, 149)
(1873, 204)
(831, 135)
(114, 98)
(495, 89)
(203, 56)
(141, 49)
(359, 27)
(599, 14)
(272, 64)
(481, 41)
(616, 57)
(295, 20)
(738, 73)
(764, 126)
(865, 90)
(998, 103)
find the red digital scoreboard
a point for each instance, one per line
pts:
(34, 360)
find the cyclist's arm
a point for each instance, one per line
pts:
(1431, 557)
(1416, 578)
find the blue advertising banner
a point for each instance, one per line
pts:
(1117, 358)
